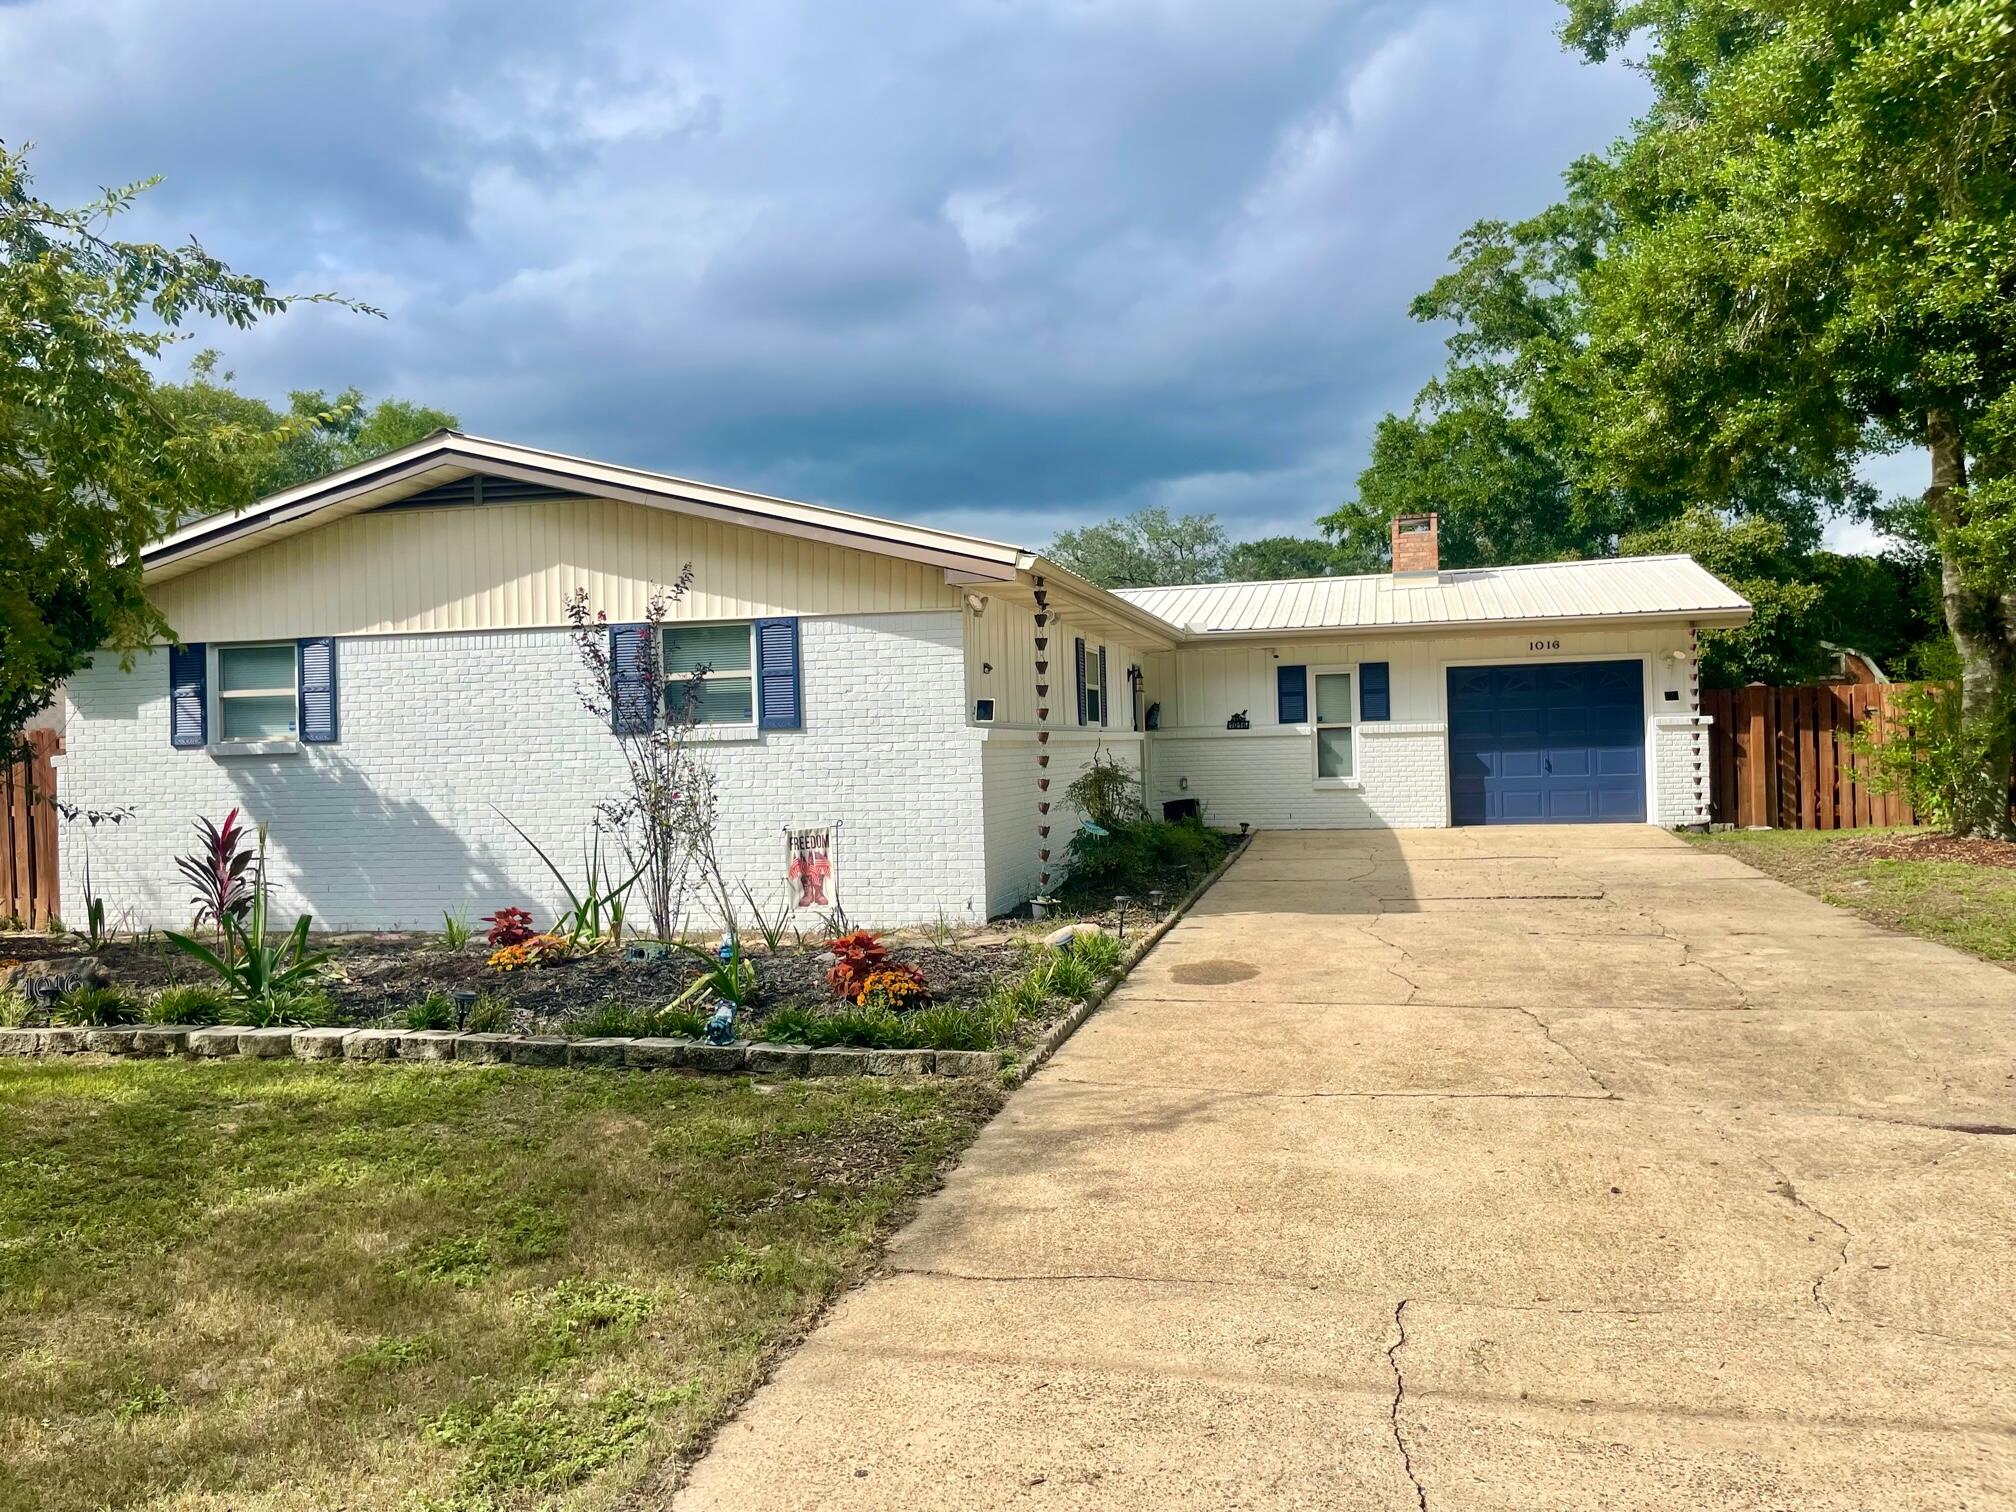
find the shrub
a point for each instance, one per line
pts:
(946, 1027)
(1138, 856)
(1069, 978)
(97, 1005)
(14, 1009)
(303, 1010)
(607, 1021)
(1954, 769)
(191, 1003)
(508, 926)
(896, 988)
(454, 929)
(861, 1028)
(1108, 793)
(1101, 953)
(857, 957)
(673, 1022)
(434, 1011)
(488, 1015)
(790, 1026)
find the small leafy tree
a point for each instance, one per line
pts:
(1952, 762)
(664, 821)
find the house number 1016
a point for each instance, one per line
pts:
(1543, 645)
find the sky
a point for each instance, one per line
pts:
(1000, 267)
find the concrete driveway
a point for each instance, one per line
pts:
(1525, 1168)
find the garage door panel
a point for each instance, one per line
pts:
(1559, 742)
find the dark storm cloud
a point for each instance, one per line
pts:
(1005, 266)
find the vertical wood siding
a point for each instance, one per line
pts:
(511, 567)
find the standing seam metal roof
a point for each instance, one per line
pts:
(1606, 587)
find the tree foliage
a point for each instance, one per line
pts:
(93, 465)
(317, 434)
(1812, 256)
(1152, 548)
(1802, 256)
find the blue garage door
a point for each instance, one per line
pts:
(1556, 743)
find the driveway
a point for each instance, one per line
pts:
(1510, 1168)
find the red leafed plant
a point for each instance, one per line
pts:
(219, 870)
(508, 926)
(856, 957)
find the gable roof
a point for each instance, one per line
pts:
(452, 467)
(448, 456)
(1603, 588)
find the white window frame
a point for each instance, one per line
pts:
(1094, 688)
(755, 685)
(1318, 726)
(271, 746)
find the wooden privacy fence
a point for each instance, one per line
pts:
(28, 889)
(1783, 757)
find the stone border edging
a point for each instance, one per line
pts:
(371, 1046)
(1067, 1026)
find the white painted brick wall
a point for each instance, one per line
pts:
(1266, 777)
(1009, 776)
(1678, 758)
(393, 824)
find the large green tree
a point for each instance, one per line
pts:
(316, 434)
(1813, 256)
(93, 465)
(1152, 548)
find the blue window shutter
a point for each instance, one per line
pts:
(188, 696)
(1375, 691)
(1105, 693)
(632, 705)
(777, 675)
(318, 688)
(1291, 695)
(1081, 679)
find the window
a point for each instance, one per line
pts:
(1094, 665)
(257, 695)
(725, 658)
(983, 711)
(1334, 754)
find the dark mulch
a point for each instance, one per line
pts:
(377, 975)
(1934, 848)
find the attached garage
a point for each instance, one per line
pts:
(1547, 743)
(1556, 693)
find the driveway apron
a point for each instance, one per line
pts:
(1506, 1168)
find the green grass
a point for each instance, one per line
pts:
(268, 1285)
(1956, 903)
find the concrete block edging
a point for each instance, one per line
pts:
(436, 1047)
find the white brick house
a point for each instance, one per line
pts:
(375, 665)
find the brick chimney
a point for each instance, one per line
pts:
(1417, 549)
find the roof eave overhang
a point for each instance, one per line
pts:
(440, 459)
(1704, 619)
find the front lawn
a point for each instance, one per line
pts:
(268, 1284)
(1960, 894)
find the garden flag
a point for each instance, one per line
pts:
(809, 866)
